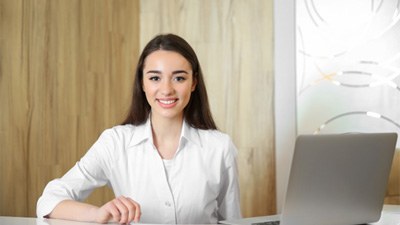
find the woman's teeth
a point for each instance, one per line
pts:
(167, 102)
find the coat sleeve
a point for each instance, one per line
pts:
(86, 175)
(229, 197)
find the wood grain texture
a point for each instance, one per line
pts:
(66, 75)
(13, 86)
(233, 40)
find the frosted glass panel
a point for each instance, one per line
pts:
(348, 66)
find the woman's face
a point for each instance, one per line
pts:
(167, 83)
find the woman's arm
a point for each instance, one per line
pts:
(121, 210)
(62, 197)
(229, 196)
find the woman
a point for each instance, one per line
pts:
(167, 162)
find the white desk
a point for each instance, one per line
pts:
(390, 216)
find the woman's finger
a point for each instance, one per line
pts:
(123, 210)
(112, 210)
(133, 208)
(138, 211)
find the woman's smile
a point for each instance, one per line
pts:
(167, 103)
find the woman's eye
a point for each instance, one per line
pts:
(154, 78)
(180, 78)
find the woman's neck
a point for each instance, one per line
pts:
(166, 127)
(166, 135)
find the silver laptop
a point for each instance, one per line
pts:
(335, 179)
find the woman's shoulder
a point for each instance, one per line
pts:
(217, 142)
(126, 128)
(125, 133)
(217, 134)
(119, 130)
(214, 137)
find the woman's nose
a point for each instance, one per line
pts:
(166, 87)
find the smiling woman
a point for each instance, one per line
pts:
(149, 161)
(170, 54)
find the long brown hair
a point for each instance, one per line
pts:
(197, 113)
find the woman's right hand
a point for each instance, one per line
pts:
(122, 210)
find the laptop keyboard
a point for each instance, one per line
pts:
(267, 223)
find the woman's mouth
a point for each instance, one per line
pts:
(167, 103)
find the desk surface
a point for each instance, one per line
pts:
(390, 216)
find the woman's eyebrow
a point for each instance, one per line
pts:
(174, 72)
(154, 71)
(180, 71)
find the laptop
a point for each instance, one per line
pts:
(335, 179)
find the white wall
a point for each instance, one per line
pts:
(285, 92)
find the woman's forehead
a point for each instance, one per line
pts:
(164, 59)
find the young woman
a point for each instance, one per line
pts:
(167, 162)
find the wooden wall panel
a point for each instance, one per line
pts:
(66, 71)
(233, 40)
(13, 89)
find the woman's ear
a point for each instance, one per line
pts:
(194, 84)
(142, 86)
